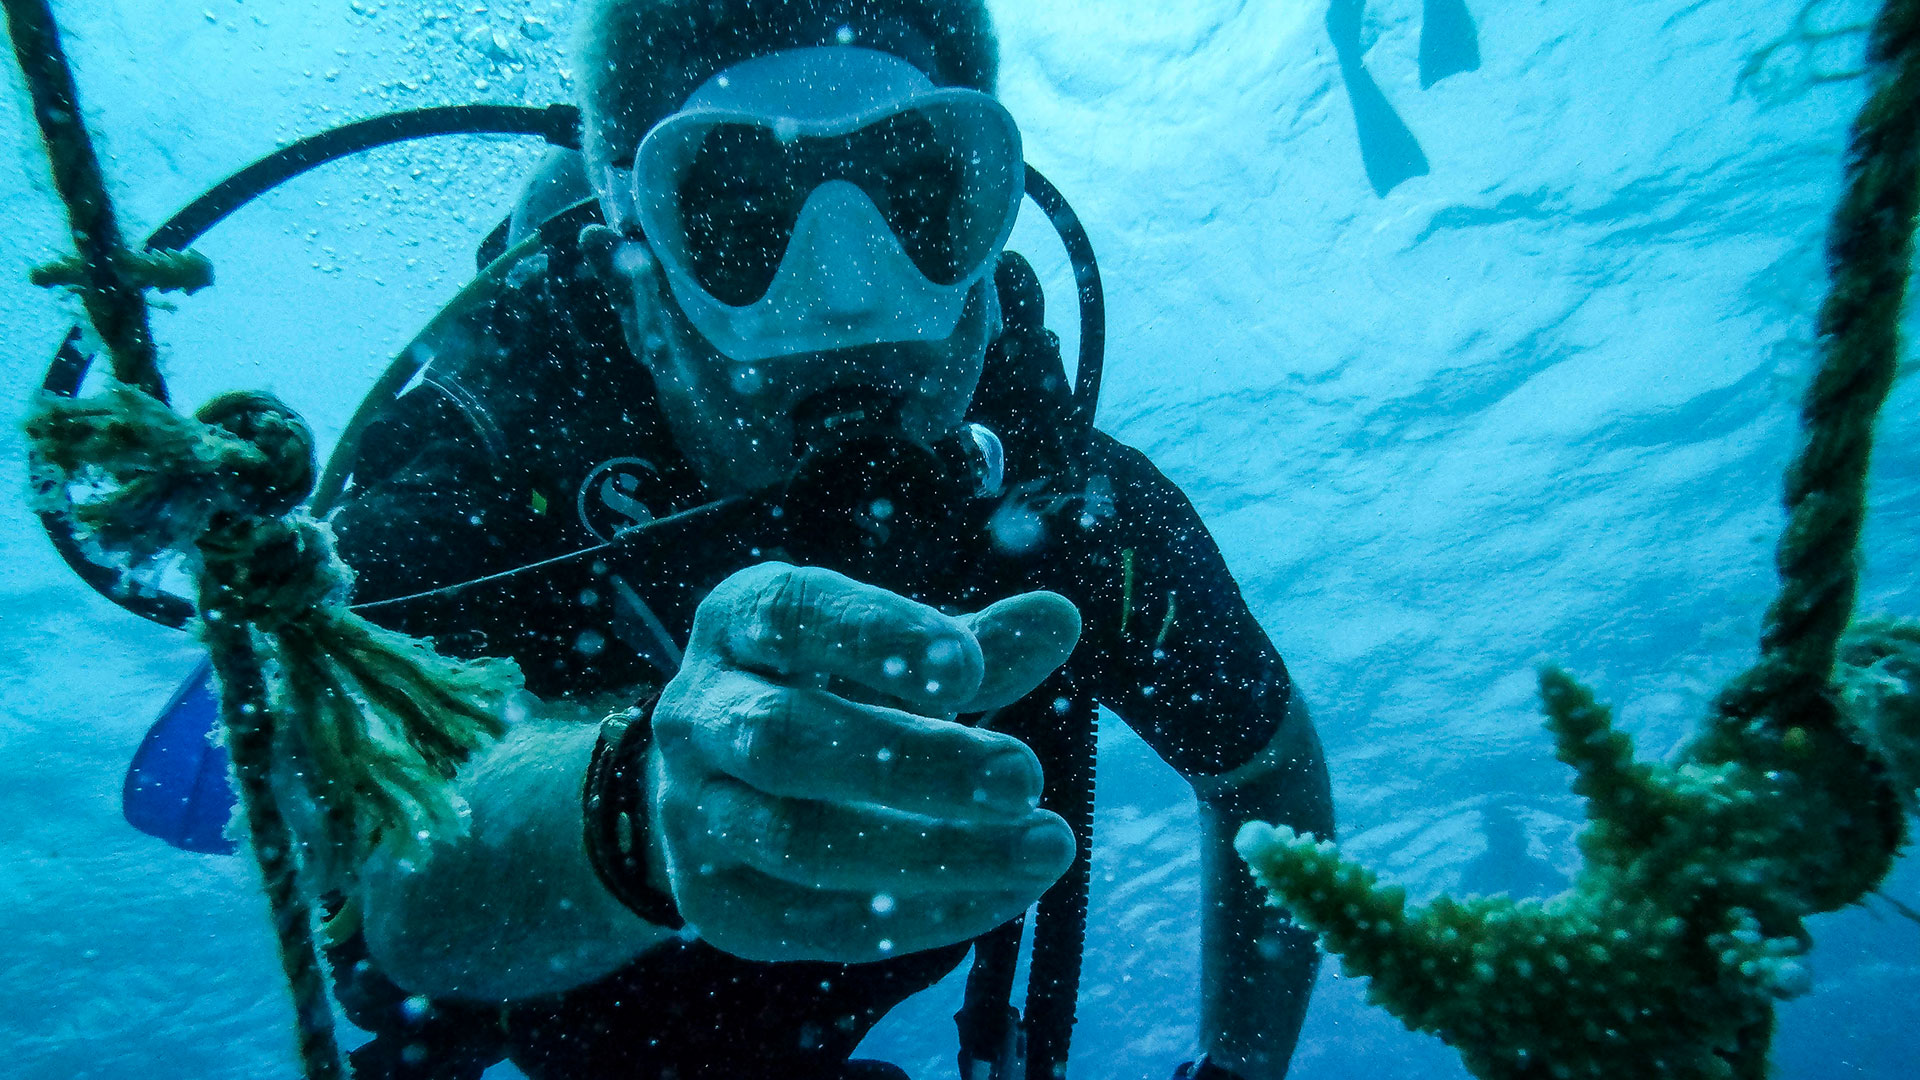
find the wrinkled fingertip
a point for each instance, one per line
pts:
(951, 669)
(1031, 622)
(1048, 848)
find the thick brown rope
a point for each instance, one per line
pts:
(114, 305)
(118, 312)
(370, 723)
(1869, 255)
(250, 737)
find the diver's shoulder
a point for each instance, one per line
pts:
(1124, 462)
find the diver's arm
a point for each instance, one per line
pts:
(1257, 968)
(785, 821)
(1180, 657)
(510, 908)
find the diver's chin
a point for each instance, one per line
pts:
(844, 414)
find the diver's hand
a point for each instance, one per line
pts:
(813, 798)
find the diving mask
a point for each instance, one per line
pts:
(822, 198)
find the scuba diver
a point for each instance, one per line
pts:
(855, 579)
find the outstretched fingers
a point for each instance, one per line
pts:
(1023, 639)
(812, 744)
(793, 621)
(866, 848)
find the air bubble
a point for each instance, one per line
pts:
(944, 651)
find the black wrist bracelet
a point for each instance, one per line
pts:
(614, 809)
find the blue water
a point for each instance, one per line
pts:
(1531, 403)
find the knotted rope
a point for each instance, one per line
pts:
(1869, 254)
(370, 723)
(1786, 710)
(377, 720)
(116, 309)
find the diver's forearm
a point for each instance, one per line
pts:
(512, 908)
(1257, 967)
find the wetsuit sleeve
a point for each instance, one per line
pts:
(429, 507)
(1169, 642)
(473, 472)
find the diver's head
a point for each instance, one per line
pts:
(814, 193)
(638, 60)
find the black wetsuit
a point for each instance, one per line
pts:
(535, 434)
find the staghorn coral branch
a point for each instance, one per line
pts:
(1621, 793)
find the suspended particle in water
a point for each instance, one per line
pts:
(943, 652)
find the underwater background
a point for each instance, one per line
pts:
(1531, 403)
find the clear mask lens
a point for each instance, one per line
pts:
(942, 180)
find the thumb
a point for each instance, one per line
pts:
(1023, 639)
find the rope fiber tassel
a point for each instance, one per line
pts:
(377, 720)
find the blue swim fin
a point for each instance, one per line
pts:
(1449, 42)
(177, 787)
(1388, 149)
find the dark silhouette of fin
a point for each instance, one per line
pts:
(1449, 42)
(177, 786)
(1387, 147)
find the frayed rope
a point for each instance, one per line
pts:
(379, 719)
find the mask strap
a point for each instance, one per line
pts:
(617, 204)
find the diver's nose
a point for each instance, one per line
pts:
(846, 260)
(848, 287)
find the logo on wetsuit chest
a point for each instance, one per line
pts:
(615, 496)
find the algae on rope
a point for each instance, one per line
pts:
(372, 721)
(1686, 921)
